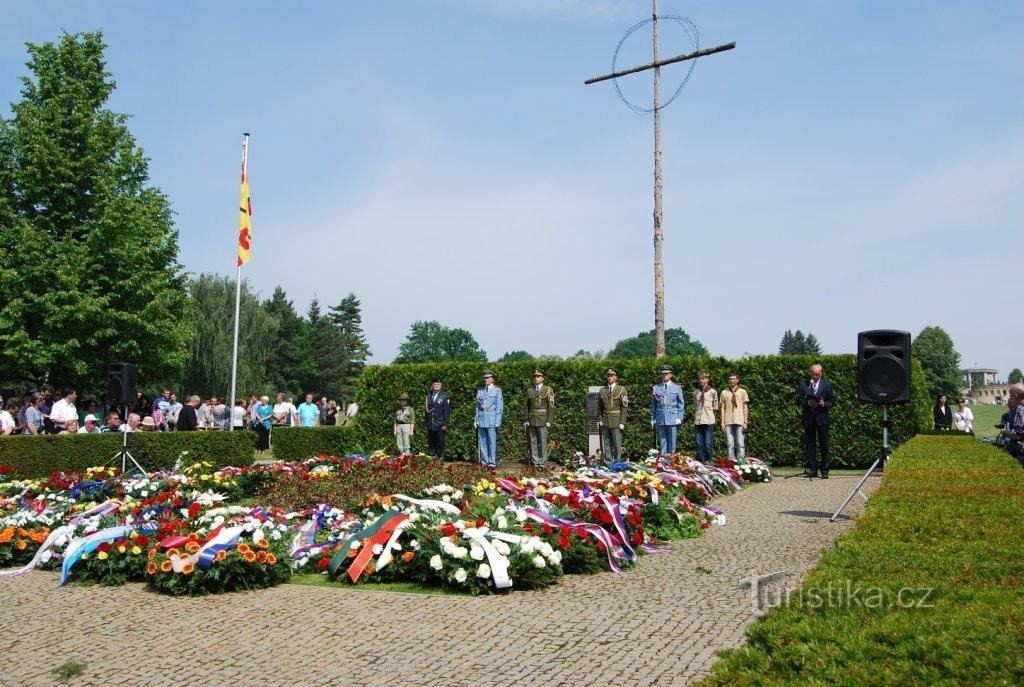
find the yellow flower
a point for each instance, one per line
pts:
(122, 549)
(102, 555)
(136, 550)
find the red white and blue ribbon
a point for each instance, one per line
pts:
(83, 545)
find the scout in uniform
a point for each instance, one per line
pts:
(489, 408)
(405, 423)
(540, 411)
(706, 400)
(612, 402)
(439, 414)
(667, 407)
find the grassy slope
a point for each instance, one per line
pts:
(985, 418)
(948, 516)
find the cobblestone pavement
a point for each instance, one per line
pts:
(659, 624)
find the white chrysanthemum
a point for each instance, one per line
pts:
(502, 548)
(446, 498)
(435, 562)
(378, 549)
(555, 558)
(521, 515)
(447, 546)
(539, 561)
(457, 495)
(460, 575)
(258, 535)
(483, 571)
(502, 522)
(476, 553)
(545, 549)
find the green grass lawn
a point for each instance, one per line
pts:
(930, 584)
(985, 419)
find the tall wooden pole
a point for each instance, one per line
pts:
(659, 232)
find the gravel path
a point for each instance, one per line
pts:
(659, 624)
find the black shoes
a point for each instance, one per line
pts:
(824, 474)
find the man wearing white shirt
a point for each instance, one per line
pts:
(64, 410)
(285, 414)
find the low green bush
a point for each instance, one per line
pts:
(776, 431)
(37, 456)
(939, 549)
(299, 443)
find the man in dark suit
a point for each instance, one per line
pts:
(439, 413)
(816, 398)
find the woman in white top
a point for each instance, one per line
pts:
(963, 417)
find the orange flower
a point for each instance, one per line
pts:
(188, 569)
(261, 557)
(271, 559)
(166, 566)
(151, 569)
(152, 554)
(386, 501)
(6, 534)
(408, 556)
(20, 545)
(262, 543)
(244, 548)
(351, 553)
(249, 557)
(221, 555)
(173, 552)
(191, 547)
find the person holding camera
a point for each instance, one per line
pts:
(815, 396)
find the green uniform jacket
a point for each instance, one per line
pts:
(611, 405)
(540, 405)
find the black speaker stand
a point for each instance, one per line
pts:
(883, 459)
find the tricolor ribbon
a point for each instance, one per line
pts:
(83, 545)
(360, 535)
(383, 534)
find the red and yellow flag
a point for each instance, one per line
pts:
(244, 210)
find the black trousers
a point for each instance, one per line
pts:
(815, 433)
(435, 442)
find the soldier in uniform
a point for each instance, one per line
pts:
(667, 407)
(489, 408)
(540, 411)
(439, 414)
(405, 424)
(612, 402)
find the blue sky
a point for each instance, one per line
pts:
(849, 166)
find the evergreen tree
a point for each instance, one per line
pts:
(797, 343)
(290, 363)
(88, 265)
(347, 318)
(330, 357)
(1015, 376)
(811, 346)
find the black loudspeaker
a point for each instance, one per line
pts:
(120, 383)
(883, 366)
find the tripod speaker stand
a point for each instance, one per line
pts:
(883, 459)
(124, 454)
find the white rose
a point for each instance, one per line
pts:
(521, 515)
(483, 571)
(378, 549)
(555, 558)
(545, 548)
(446, 498)
(502, 522)
(539, 561)
(476, 553)
(457, 495)
(502, 548)
(459, 552)
(414, 545)
(460, 575)
(435, 562)
(258, 536)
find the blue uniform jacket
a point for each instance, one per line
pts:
(489, 407)
(667, 403)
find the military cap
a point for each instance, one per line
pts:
(611, 371)
(667, 368)
(538, 373)
(404, 396)
(488, 373)
(435, 380)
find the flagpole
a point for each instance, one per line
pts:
(238, 302)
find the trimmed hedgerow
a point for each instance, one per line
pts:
(925, 590)
(300, 443)
(776, 433)
(37, 456)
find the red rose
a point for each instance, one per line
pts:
(141, 540)
(448, 529)
(548, 529)
(193, 510)
(322, 563)
(563, 541)
(104, 547)
(480, 522)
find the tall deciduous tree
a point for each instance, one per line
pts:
(677, 342)
(940, 360)
(88, 265)
(434, 342)
(208, 369)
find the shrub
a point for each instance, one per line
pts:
(299, 443)
(946, 519)
(37, 456)
(776, 432)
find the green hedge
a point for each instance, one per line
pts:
(299, 443)
(40, 455)
(776, 432)
(946, 519)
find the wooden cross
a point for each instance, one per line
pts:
(659, 234)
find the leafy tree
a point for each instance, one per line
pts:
(586, 355)
(347, 317)
(208, 367)
(796, 343)
(88, 268)
(1016, 376)
(677, 342)
(940, 360)
(515, 356)
(290, 362)
(434, 342)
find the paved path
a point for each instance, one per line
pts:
(659, 624)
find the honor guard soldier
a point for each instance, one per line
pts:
(612, 402)
(540, 411)
(439, 414)
(667, 407)
(489, 408)
(405, 424)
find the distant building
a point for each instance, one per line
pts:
(982, 385)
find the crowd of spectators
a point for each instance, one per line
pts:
(45, 411)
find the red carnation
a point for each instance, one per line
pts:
(141, 540)
(563, 541)
(104, 547)
(194, 509)
(548, 529)
(448, 529)
(322, 563)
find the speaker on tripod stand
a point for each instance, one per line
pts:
(883, 378)
(121, 394)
